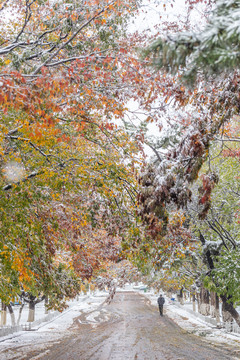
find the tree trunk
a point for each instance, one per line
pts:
(180, 297)
(20, 313)
(204, 302)
(112, 292)
(31, 313)
(46, 305)
(4, 314)
(228, 311)
(212, 304)
(12, 315)
(217, 313)
(194, 302)
(92, 288)
(198, 302)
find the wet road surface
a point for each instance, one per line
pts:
(130, 328)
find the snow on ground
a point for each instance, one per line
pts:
(192, 324)
(49, 332)
(40, 309)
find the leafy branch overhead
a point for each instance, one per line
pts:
(189, 196)
(67, 182)
(76, 103)
(209, 106)
(209, 51)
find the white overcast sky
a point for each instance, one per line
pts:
(153, 13)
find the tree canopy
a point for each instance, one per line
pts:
(185, 199)
(79, 199)
(68, 184)
(209, 51)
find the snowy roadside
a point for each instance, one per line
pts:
(192, 324)
(15, 346)
(48, 333)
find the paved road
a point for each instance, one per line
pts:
(130, 329)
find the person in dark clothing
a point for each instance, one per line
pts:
(161, 301)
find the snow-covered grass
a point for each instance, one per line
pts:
(185, 318)
(79, 304)
(40, 309)
(51, 331)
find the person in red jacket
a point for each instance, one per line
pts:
(161, 301)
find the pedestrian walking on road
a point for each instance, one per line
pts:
(161, 301)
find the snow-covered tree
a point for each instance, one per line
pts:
(208, 60)
(211, 51)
